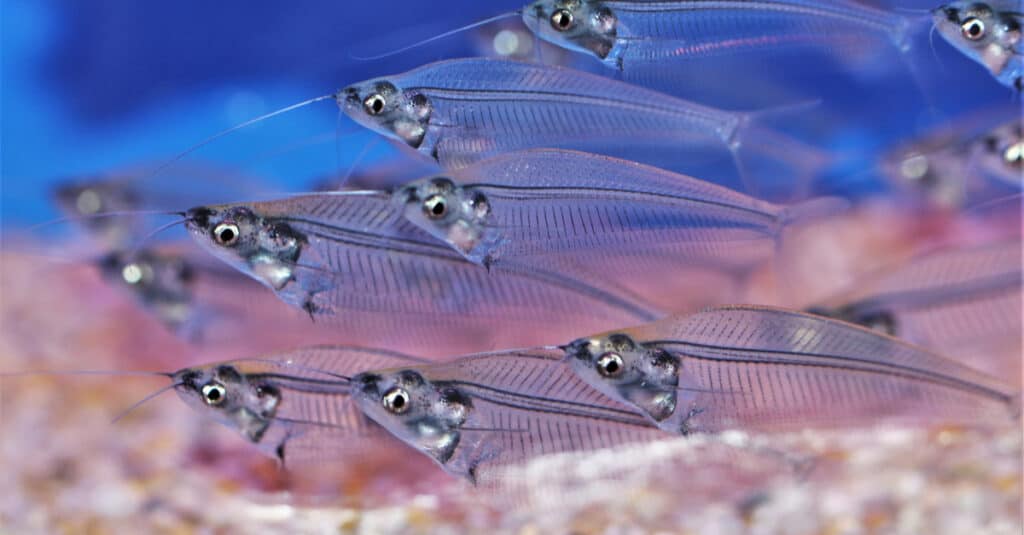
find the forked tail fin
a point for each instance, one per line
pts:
(751, 136)
(795, 216)
(814, 209)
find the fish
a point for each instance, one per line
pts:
(988, 33)
(458, 112)
(112, 207)
(964, 301)
(1000, 153)
(973, 159)
(295, 405)
(765, 369)
(207, 304)
(595, 209)
(161, 281)
(84, 199)
(624, 33)
(476, 414)
(350, 257)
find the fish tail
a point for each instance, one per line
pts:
(797, 215)
(749, 135)
(818, 208)
(806, 212)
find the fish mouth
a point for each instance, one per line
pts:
(198, 217)
(578, 349)
(348, 99)
(366, 384)
(951, 14)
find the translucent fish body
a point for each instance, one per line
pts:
(962, 301)
(760, 369)
(492, 410)
(461, 111)
(351, 256)
(988, 33)
(293, 405)
(625, 33)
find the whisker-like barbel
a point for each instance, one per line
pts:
(166, 165)
(438, 37)
(144, 400)
(101, 215)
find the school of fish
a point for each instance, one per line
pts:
(584, 266)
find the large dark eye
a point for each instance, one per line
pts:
(374, 104)
(973, 28)
(609, 364)
(226, 233)
(213, 393)
(436, 206)
(561, 20)
(396, 400)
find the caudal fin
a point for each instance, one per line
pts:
(790, 270)
(814, 209)
(751, 138)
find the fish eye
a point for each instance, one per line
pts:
(214, 393)
(226, 233)
(435, 206)
(1014, 154)
(396, 400)
(973, 28)
(562, 20)
(88, 202)
(610, 364)
(374, 104)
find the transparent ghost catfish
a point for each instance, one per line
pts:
(557, 204)
(963, 301)
(293, 405)
(477, 414)
(625, 33)
(758, 368)
(988, 33)
(458, 112)
(350, 256)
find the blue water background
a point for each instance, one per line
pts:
(98, 85)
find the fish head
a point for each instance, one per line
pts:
(581, 25)
(985, 34)
(230, 397)
(89, 199)
(455, 214)
(162, 282)
(424, 414)
(261, 247)
(148, 271)
(1002, 151)
(383, 107)
(615, 364)
(936, 175)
